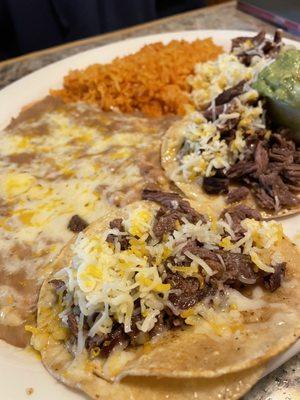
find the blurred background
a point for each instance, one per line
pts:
(30, 25)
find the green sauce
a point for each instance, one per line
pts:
(281, 80)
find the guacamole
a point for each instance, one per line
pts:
(280, 81)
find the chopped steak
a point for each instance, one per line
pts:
(117, 223)
(246, 48)
(173, 320)
(278, 36)
(165, 222)
(237, 214)
(166, 320)
(273, 281)
(215, 185)
(211, 114)
(223, 104)
(238, 267)
(117, 337)
(240, 212)
(160, 326)
(77, 224)
(188, 291)
(194, 247)
(166, 199)
(292, 173)
(241, 169)
(238, 194)
(227, 128)
(263, 199)
(280, 155)
(94, 342)
(122, 239)
(282, 150)
(297, 156)
(274, 186)
(136, 336)
(261, 158)
(173, 209)
(106, 342)
(58, 285)
(173, 201)
(272, 171)
(73, 323)
(255, 40)
(282, 140)
(229, 94)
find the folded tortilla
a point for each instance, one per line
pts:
(82, 376)
(213, 204)
(189, 353)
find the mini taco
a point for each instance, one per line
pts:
(228, 151)
(158, 289)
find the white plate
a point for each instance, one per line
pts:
(20, 369)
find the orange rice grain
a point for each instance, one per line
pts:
(152, 80)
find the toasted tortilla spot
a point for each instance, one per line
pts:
(171, 145)
(192, 354)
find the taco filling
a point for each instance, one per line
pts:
(164, 268)
(230, 147)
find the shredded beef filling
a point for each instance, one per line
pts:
(231, 269)
(215, 184)
(227, 95)
(122, 239)
(173, 209)
(166, 222)
(270, 167)
(117, 337)
(223, 104)
(187, 291)
(273, 281)
(260, 46)
(77, 224)
(272, 171)
(237, 214)
(238, 194)
(73, 323)
(173, 201)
